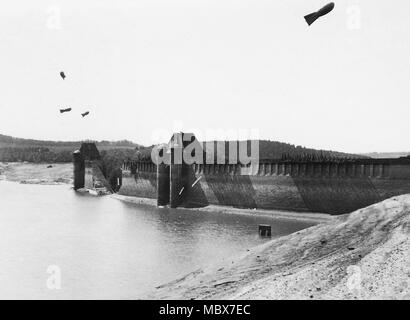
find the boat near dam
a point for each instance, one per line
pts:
(335, 186)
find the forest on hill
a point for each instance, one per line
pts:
(115, 152)
(41, 151)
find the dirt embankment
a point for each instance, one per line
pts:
(34, 173)
(362, 255)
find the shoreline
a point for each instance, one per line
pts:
(361, 255)
(274, 214)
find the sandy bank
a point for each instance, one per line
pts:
(362, 255)
(37, 173)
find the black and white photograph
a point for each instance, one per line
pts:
(206, 150)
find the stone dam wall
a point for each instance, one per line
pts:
(139, 180)
(327, 187)
(334, 187)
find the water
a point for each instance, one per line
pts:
(108, 249)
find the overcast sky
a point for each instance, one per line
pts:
(140, 66)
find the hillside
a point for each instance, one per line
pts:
(362, 255)
(9, 141)
(17, 149)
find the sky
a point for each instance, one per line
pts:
(147, 68)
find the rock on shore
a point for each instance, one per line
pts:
(362, 255)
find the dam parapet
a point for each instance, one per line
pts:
(359, 168)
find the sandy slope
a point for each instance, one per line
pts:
(362, 255)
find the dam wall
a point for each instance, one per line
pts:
(327, 187)
(333, 188)
(139, 179)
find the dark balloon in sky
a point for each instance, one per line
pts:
(310, 18)
(65, 110)
(62, 75)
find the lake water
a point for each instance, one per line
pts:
(107, 249)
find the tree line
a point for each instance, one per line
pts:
(115, 153)
(34, 154)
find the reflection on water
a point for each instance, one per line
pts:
(107, 249)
